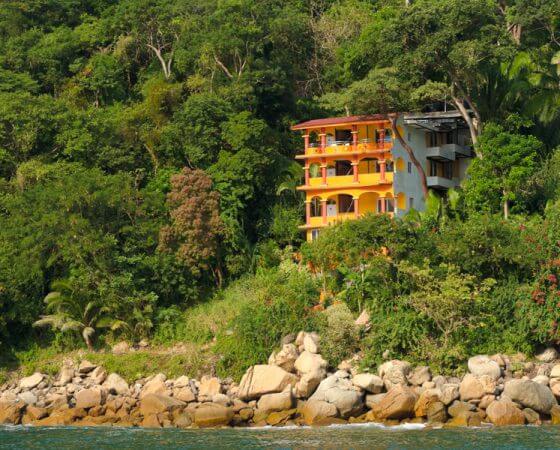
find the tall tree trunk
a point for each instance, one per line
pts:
(506, 206)
(423, 180)
(473, 127)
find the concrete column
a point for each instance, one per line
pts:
(355, 138)
(382, 205)
(355, 170)
(306, 172)
(308, 212)
(324, 170)
(324, 211)
(323, 137)
(382, 169)
(356, 207)
(306, 141)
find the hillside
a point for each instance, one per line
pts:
(148, 181)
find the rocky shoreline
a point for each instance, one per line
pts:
(294, 388)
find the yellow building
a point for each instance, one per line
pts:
(353, 166)
(348, 169)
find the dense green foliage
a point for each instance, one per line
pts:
(146, 166)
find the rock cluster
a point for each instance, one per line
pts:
(295, 387)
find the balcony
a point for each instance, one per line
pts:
(441, 183)
(345, 148)
(448, 152)
(347, 181)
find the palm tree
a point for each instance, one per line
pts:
(291, 178)
(71, 310)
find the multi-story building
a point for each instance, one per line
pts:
(353, 166)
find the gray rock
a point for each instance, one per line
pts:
(31, 381)
(530, 395)
(483, 365)
(548, 355)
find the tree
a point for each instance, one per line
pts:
(196, 228)
(451, 42)
(72, 310)
(381, 92)
(509, 160)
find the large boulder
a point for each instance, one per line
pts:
(98, 375)
(10, 413)
(116, 385)
(185, 394)
(397, 404)
(427, 397)
(66, 375)
(311, 343)
(212, 415)
(285, 358)
(86, 366)
(314, 411)
(504, 412)
(312, 369)
(394, 372)
(309, 362)
(31, 381)
(157, 403)
(276, 402)
(209, 386)
(368, 382)
(264, 379)
(483, 365)
(548, 355)
(308, 383)
(89, 398)
(555, 371)
(449, 393)
(474, 387)
(530, 394)
(155, 386)
(340, 392)
(420, 375)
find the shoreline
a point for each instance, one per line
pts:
(296, 388)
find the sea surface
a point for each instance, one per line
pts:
(335, 437)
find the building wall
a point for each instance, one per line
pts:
(405, 182)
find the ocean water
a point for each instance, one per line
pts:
(334, 437)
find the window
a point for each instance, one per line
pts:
(343, 135)
(448, 170)
(314, 170)
(433, 169)
(315, 207)
(389, 205)
(368, 165)
(314, 234)
(388, 135)
(343, 168)
(345, 203)
(411, 203)
(409, 167)
(389, 166)
(432, 139)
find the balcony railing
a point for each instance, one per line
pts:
(347, 147)
(342, 181)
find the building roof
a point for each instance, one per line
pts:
(348, 120)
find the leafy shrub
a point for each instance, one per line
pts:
(279, 303)
(340, 336)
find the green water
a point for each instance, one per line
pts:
(354, 437)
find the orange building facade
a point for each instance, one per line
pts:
(348, 168)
